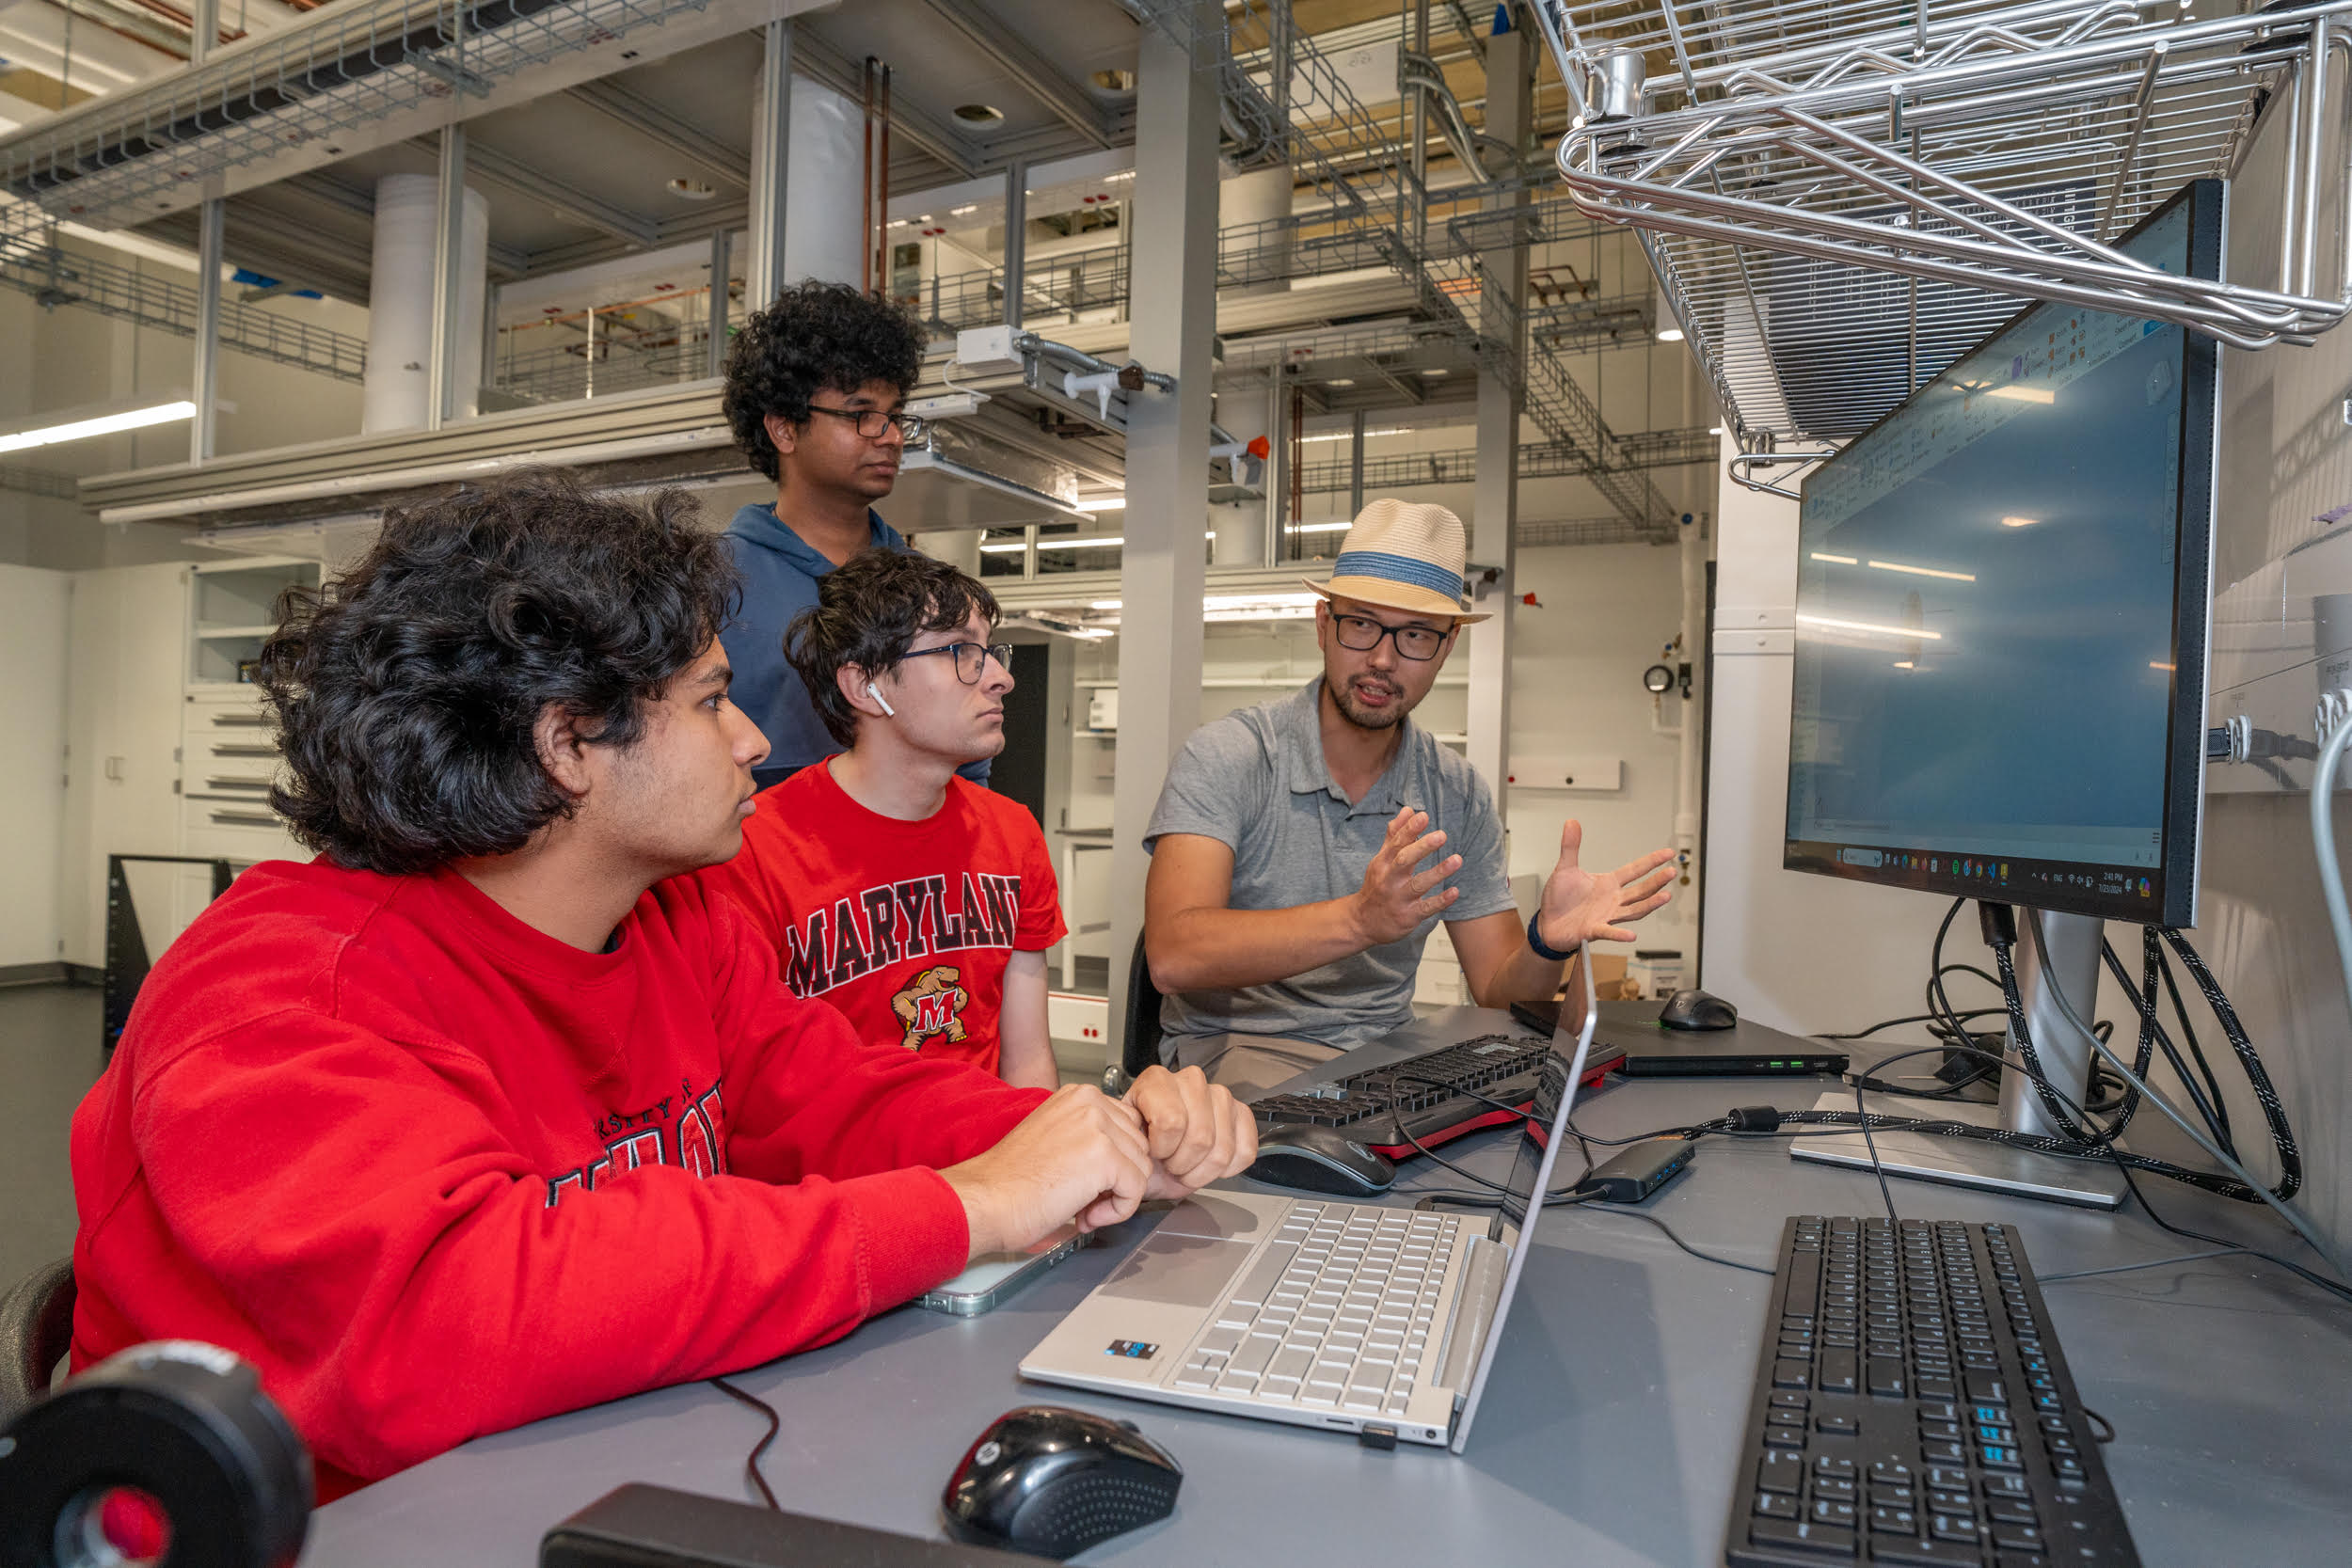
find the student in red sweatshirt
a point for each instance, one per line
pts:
(919, 904)
(487, 1112)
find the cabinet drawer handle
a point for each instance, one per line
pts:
(219, 781)
(235, 749)
(244, 819)
(240, 720)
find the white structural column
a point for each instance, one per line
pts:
(1495, 505)
(1163, 565)
(404, 277)
(205, 377)
(772, 159)
(715, 361)
(808, 180)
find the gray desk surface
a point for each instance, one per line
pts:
(1610, 1438)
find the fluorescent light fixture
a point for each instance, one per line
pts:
(1340, 527)
(1104, 503)
(1921, 571)
(1067, 542)
(105, 424)
(1714, 430)
(1837, 559)
(1434, 374)
(1904, 664)
(1868, 626)
(897, 223)
(2019, 522)
(1349, 435)
(1115, 179)
(2025, 394)
(965, 211)
(1670, 334)
(1235, 601)
(1340, 381)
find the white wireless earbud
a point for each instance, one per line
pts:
(886, 708)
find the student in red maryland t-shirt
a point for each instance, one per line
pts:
(917, 903)
(477, 1118)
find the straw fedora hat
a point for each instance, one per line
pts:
(1403, 555)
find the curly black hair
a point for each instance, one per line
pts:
(817, 336)
(406, 691)
(868, 611)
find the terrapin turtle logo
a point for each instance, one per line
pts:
(931, 1005)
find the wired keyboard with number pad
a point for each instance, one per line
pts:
(1336, 1313)
(1438, 1095)
(1913, 1408)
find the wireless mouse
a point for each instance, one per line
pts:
(1053, 1480)
(1695, 1010)
(1319, 1160)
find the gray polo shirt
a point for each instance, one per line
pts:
(1256, 781)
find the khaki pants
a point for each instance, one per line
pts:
(1248, 1065)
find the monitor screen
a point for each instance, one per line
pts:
(2001, 611)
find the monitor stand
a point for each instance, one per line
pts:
(2065, 1057)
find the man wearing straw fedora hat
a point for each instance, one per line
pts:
(1302, 850)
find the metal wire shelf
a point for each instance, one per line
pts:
(1839, 195)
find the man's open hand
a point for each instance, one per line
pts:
(1583, 906)
(1396, 895)
(1197, 1130)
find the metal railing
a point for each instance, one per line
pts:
(56, 277)
(1657, 449)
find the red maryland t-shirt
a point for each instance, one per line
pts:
(904, 927)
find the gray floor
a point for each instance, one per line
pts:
(50, 1056)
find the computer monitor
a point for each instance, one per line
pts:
(2002, 609)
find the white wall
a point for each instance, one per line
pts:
(33, 611)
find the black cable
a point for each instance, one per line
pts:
(1482, 1200)
(2188, 1038)
(775, 1424)
(1870, 1141)
(2089, 1413)
(1396, 1114)
(2331, 1287)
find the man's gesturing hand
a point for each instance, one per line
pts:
(1396, 896)
(1596, 906)
(1080, 1155)
(1197, 1132)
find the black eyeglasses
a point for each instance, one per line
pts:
(873, 422)
(971, 658)
(1418, 643)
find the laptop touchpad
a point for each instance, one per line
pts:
(1181, 1271)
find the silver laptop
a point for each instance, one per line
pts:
(1317, 1312)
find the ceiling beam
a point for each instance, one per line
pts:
(820, 62)
(665, 129)
(493, 167)
(1037, 77)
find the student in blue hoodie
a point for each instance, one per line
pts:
(816, 388)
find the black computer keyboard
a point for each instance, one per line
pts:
(1913, 1408)
(1424, 1092)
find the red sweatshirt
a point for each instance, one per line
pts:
(436, 1174)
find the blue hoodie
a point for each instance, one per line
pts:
(780, 572)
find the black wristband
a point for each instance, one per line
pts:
(1535, 944)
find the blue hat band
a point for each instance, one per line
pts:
(1399, 568)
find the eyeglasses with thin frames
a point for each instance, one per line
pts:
(1418, 643)
(873, 422)
(971, 658)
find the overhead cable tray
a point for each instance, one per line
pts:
(1841, 196)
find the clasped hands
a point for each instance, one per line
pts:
(1082, 1160)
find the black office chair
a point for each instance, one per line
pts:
(36, 1331)
(1142, 1049)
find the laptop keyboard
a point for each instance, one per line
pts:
(1335, 1313)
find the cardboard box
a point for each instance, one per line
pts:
(1609, 978)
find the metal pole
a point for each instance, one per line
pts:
(448, 250)
(1163, 569)
(1016, 241)
(203, 30)
(1355, 464)
(881, 203)
(206, 376)
(715, 364)
(489, 372)
(1495, 500)
(1276, 478)
(772, 154)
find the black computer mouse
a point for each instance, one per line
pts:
(1695, 1010)
(1319, 1160)
(1053, 1480)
